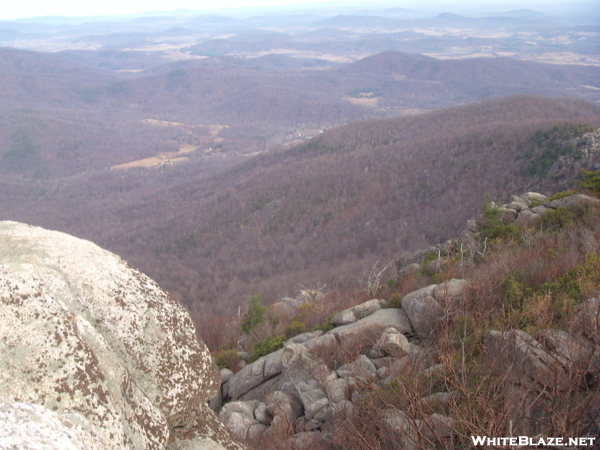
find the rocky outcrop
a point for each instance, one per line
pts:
(304, 388)
(525, 210)
(318, 381)
(92, 348)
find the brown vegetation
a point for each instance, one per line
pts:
(536, 281)
(322, 212)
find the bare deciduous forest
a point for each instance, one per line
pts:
(264, 161)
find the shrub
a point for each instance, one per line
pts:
(255, 315)
(227, 359)
(591, 181)
(563, 217)
(491, 216)
(395, 301)
(294, 328)
(325, 326)
(266, 346)
(561, 194)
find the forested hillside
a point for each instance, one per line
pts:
(212, 234)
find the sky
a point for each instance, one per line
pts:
(78, 8)
(15, 9)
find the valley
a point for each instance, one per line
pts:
(226, 155)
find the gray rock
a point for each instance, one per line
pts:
(475, 225)
(226, 374)
(392, 343)
(244, 408)
(253, 375)
(344, 409)
(355, 313)
(588, 318)
(281, 404)
(344, 317)
(314, 401)
(263, 389)
(518, 206)
(399, 431)
(26, 426)
(577, 199)
(449, 294)
(84, 331)
(261, 413)
(577, 352)
(337, 390)
(246, 379)
(423, 310)
(527, 218)
(202, 431)
(540, 210)
(410, 269)
(287, 306)
(301, 338)
(361, 335)
(216, 402)
(507, 215)
(437, 427)
(435, 400)
(299, 365)
(240, 419)
(361, 370)
(304, 440)
(523, 360)
(240, 425)
(533, 197)
(273, 365)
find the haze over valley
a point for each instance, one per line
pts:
(260, 151)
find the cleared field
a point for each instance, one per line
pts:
(159, 160)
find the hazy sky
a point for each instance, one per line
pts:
(12, 9)
(34, 8)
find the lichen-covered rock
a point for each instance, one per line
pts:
(26, 426)
(83, 331)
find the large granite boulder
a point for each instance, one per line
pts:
(95, 342)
